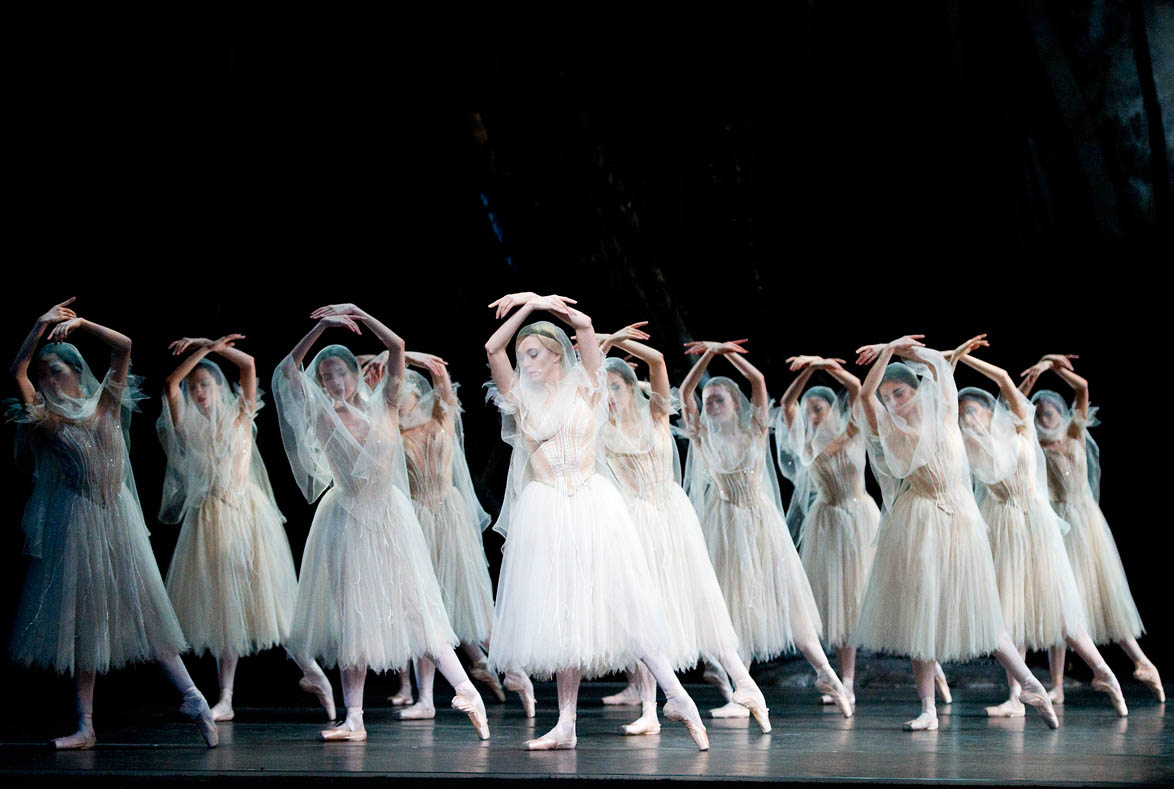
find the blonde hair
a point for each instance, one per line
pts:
(545, 332)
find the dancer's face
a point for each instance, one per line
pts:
(974, 415)
(718, 404)
(407, 404)
(538, 362)
(203, 388)
(817, 410)
(1047, 415)
(337, 378)
(56, 379)
(899, 398)
(619, 394)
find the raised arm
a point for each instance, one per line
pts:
(495, 348)
(626, 339)
(689, 385)
(20, 366)
(391, 341)
(879, 355)
(1001, 377)
(758, 395)
(118, 343)
(437, 370)
(802, 364)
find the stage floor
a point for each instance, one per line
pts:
(810, 744)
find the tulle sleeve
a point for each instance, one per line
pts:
(300, 403)
(461, 478)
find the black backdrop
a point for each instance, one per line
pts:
(857, 178)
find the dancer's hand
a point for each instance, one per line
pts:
(1036, 370)
(433, 364)
(1060, 360)
(559, 305)
(184, 344)
(64, 329)
(224, 343)
(800, 362)
(507, 303)
(349, 310)
(973, 344)
(716, 348)
(866, 354)
(374, 368)
(59, 312)
(344, 321)
(827, 364)
(630, 332)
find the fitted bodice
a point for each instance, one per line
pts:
(645, 475)
(563, 454)
(838, 477)
(89, 454)
(1067, 463)
(736, 467)
(943, 478)
(1017, 487)
(428, 452)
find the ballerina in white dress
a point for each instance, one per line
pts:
(575, 596)
(641, 453)
(731, 481)
(932, 593)
(367, 595)
(1040, 599)
(93, 598)
(822, 452)
(1074, 472)
(232, 580)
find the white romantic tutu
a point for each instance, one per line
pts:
(698, 622)
(1100, 576)
(367, 593)
(837, 549)
(94, 601)
(232, 578)
(575, 589)
(458, 557)
(760, 575)
(1040, 600)
(932, 593)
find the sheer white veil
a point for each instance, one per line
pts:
(532, 411)
(802, 442)
(632, 432)
(203, 445)
(314, 434)
(424, 410)
(1063, 430)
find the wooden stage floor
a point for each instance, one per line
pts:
(809, 745)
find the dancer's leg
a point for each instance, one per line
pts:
(314, 681)
(826, 679)
(479, 670)
(943, 687)
(226, 672)
(562, 736)
(678, 706)
(351, 729)
(1144, 670)
(403, 696)
(424, 708)
(195, 706)
(519, 683)
(1057, 656)
(1012, 707)
(647, 723)
(1104, 680)
(630, 695)
(84, 737)
(746, 691)
(923, 676)
(465, 697)
(715, 676)
(1033, 692)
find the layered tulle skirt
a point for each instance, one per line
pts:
(932, 593)
(232, 579)
(837, 548)
(458, 557)
(695, 611)
(1040, 600)
(95, 600)
(1100, 576)
(760, 575)
(367, 595)
(575, 590)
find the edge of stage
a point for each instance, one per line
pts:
(809, 745)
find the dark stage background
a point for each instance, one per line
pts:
(859, 175)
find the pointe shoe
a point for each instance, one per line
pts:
(731, 710)
(481, 673)
(401, 699)
(826, 700)
(321, 689)
(417, 712)
(223, 711)
(1056, 694)
(830, 684)
(554, 740)
(474, 708)
(923, 722)
(1011, 708)
(80, 740)
(682, 708)
(1148, 674)
(519, 683)
(756, 703)
(344, 733)
(628, 697)
(641, 726)
(943, 687)
(195, 708)
(1110, 686)
(716, 677)
(1039, 699)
